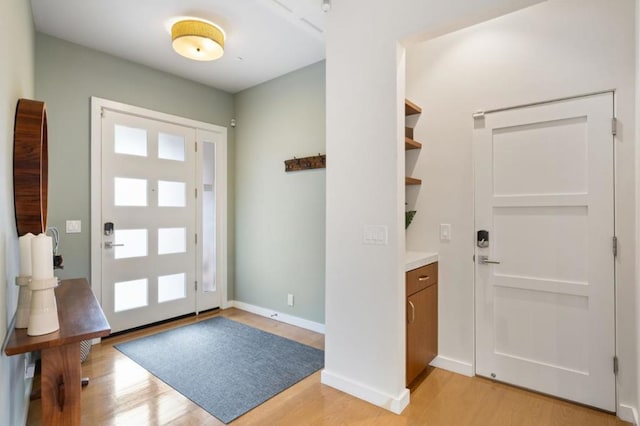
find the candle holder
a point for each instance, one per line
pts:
(24, 301)
(43, 318)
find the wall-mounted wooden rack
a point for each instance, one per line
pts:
(316, 162)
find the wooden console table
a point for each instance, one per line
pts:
(81, 318)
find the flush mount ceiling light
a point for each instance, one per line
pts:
(197, 40)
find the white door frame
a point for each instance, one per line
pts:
(100, 104)
(480, 115)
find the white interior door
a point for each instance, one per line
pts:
(148, 220)
(544, 192)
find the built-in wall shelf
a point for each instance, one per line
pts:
(412, 181)
(410, 108)
(411, 144)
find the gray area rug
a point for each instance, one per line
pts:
(225, 367)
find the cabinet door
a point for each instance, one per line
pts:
(422, 330)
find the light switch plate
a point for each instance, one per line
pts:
(374, 235)
(445, 232)
(74, 226)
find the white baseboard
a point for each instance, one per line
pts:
(395, 404)
(454, 365)
(628, 413)
(278, 316)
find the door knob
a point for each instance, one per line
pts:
(485, 260)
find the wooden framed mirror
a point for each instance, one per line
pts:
(30, 167)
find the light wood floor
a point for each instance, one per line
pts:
(123, 393)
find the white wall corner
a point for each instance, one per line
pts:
(453, 365)
(628, 413)
(395, 404)
(278, 316)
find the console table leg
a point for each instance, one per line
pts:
(61, 387)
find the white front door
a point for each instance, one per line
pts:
(545, 195)
(148, 220)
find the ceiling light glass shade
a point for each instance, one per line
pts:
(197, 40)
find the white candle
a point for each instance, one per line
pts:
(25, 254)
(42, 257)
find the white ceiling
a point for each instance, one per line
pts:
(264, 38)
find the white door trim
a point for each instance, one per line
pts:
(100, 104)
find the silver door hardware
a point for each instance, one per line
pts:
(485, 259)
(109, 244)
(483, 239)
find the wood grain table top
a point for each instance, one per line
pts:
(80, 317)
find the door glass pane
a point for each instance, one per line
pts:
(134, 243)
(172, 240)
(130, 141)
(171, 194)
(171, 287)
(170, 147)
(208, 218)
(130, 192)
(130, 295)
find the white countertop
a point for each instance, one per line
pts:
(416, 259)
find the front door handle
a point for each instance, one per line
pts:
(485, 260)
(109, 244)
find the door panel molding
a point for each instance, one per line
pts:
(545, 313)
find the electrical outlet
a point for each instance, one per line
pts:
(289, 299)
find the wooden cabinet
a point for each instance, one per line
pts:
(422, 319)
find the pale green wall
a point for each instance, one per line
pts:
(67, 75)
(16, 81)
(280, 217)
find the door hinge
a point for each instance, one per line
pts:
(196, 282)
(196, 239)
(615, 365)
(102, 114)
(614, 246)
(196, 192)
(614, 126)
(196, 145)
(474, 258)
